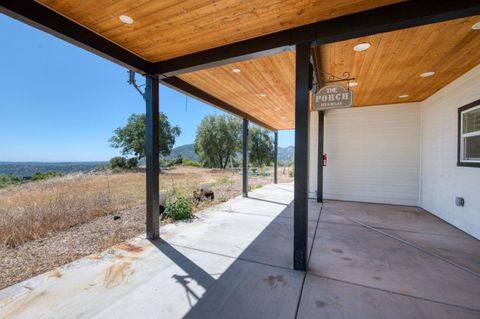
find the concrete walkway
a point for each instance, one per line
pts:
(235, 261)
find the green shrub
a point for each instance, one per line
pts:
(187, 162)
(178, 161)
(132, 162)
(7, 180)
(118, 162)
(166, 163)
(41, 176)
(178, 206)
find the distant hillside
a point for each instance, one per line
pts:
(25, 169)
(286, 153)
(188, 151)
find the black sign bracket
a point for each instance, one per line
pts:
(331, 78)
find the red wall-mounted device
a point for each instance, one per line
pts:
(324, 159)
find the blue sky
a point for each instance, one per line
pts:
(61, 103)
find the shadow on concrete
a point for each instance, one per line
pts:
(262, 275)
(193, 270)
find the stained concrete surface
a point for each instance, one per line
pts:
(235, 261)
(385, 261)
(328, 298)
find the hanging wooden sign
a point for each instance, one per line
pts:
(332, 97)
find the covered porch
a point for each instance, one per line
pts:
(365, 261)
(264, 61)
(276, 252)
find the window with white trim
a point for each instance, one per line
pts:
(469, 135)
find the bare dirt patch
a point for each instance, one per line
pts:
(47, 224)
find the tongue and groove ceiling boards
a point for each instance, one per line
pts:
(263, 88)
(164, 29)
(392, 66)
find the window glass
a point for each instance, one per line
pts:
(469, 135)
(472, 148)
(471, 121)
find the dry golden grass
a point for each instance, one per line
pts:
(39, 209)
(35, 210)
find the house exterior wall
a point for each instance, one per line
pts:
(402, 154)
(373, 154)
(441, 179)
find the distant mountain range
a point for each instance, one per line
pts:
(286, 153)
(187, 151)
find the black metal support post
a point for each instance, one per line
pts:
(245, 159)
(320, 157)
(152, 157)
(275, 160)
(300, 208)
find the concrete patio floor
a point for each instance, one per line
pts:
(235, 261)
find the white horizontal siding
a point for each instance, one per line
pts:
(442, 179)
(373, 154)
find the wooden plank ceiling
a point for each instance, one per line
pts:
(395, 60)
(264, 88)
(391, 67)
(164, 29)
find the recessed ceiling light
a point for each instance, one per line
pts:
(263, 95)
(476, 26)
(352, 84)
(403, 96)
(126, 19)
(427, 74)
(362, 46)
(236, 70)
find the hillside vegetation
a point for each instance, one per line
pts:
(187, 151)
(27, 169)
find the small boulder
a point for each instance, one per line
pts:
(203, 192)
(203, 188)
